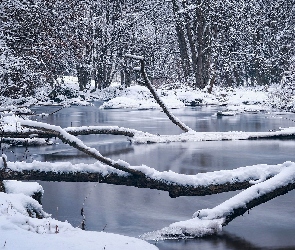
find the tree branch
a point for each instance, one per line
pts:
(210, 221)
(78, 144)
(148, 84)
(176, 184)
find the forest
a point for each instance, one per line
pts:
(191, 72)
(200, 43)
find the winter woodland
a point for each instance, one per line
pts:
(139, 55)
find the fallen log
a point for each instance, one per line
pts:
(176, 184)
(174, 190)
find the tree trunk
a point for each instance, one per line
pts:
(83, 75)
(182, 43)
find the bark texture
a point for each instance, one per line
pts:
(175, 190)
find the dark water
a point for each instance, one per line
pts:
(132, 211)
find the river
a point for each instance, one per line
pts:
(132, 211)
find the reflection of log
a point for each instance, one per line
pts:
(129, 180)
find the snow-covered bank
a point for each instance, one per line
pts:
(237, 100)
(24, 225)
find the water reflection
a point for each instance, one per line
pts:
(133, 211)
(218, 242)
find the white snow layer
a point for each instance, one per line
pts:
(26, 188)
(239, 99)
(20, 231)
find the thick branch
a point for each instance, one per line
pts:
(84, 130)
(259, 193)
(176, 184)
(175, 190)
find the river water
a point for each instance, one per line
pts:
(132, 211)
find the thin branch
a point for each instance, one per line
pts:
(148, 84)
(78, 144)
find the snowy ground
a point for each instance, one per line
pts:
(18, 230)
(236, 100)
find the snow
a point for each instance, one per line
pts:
(210, 221)
(13, 124)
(239, 99)
(20, 231)
(26, 188)
(14, 215)
(186, 229)
(64, 167)
(139, 97)
(19, 212)
(135, 57)
(211, 136)
(253, 174)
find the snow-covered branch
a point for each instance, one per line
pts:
(210, 221)
(78, 144)
(148, 84)
(139, 137)
(176, 184)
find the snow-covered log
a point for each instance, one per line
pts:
(176, 184)
(139, 137)
(83, 130)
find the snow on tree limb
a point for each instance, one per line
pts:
(148, 84)
(134, 57)
(176, 184)
(210, 221)
(139, 137)
(78, 144)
